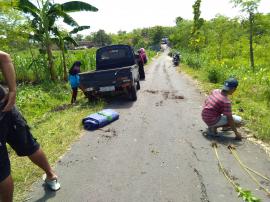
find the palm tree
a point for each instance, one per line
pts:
(44, 16)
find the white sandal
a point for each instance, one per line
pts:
(53, 184)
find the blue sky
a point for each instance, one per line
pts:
(126, 15)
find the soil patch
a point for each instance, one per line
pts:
(61, 108)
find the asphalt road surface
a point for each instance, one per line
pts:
(156, 151)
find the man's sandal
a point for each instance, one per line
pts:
(238, 138)
(52, 184)
(224, 129)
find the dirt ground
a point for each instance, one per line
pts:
(156, 151)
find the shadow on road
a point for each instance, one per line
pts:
(118, 102)
(224, 138)
(47, 194)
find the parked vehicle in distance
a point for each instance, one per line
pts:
(164, 40)
(116, 71)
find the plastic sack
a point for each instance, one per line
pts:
(99, 119)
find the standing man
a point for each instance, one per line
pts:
(16, 132)
(217, 110)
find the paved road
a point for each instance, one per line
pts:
(155, 152)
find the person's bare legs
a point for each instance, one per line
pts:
(6, 189)
(40, 159)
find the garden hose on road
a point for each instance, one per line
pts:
(214, 146)
(248, 170)
(245, 194)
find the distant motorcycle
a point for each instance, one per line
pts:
(176, 59)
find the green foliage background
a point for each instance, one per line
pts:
(224, 52)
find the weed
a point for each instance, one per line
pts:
(246, 195)
(193, 61)
(213, 76)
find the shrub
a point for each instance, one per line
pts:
(213, 76)
(193, 61)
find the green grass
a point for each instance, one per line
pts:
(249, 101)
(54, 123)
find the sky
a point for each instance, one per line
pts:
(126, 15)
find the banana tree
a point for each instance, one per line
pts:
(62, 39)
(44, 16)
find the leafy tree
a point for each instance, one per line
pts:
(13, 26)
(4, 4)
(78, 37)
(156, 34)
(178, 20)
(181, 34)
(262, 26)
(62, 39)
(196, 39)
(100, 38)
(43, 20)
(250, 7)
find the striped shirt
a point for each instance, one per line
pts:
(216, 104)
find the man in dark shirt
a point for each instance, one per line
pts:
(15, 132)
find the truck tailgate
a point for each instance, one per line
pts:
(102, 78)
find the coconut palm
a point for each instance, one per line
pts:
(43, 18)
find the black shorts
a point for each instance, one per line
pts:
(15, 132)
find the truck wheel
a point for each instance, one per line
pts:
(138, 86)
(133, 93)
(91, 98)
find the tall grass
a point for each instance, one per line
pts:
(252, 98)
(32, 67)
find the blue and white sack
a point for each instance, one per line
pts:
(99, 119)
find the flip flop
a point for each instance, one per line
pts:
(224, 129)
(210, 132)
(53, 184)
(238, 138)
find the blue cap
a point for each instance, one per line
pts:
(230, 84)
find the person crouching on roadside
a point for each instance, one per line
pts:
(74, 79)
(217, 110)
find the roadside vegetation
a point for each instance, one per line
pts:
(222, 48)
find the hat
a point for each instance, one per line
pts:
(230, 84)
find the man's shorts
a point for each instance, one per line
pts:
(15, 132)
(223, 120)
